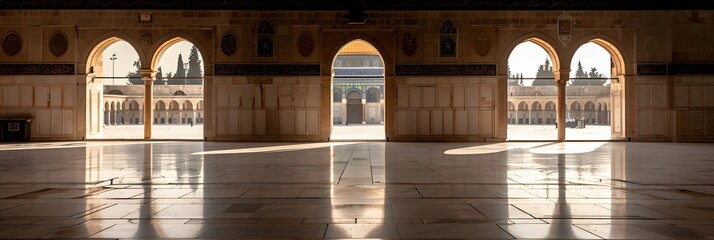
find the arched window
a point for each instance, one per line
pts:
(179, 93)
(187, 105)
(199, 106)
(354, 95)
(550, 106)
(536, 106)
(160, 105)
(373, 95)
(174, 105)
(511, 106)
(265, 39)
(134, 105)
(589, 106)
(336, 96)
(523, 106)
(575, 106)
(447, 39)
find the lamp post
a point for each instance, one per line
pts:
(114, 57)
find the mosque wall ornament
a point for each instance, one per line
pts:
(11, 43)
(58, 44)
(409, 44)
(229, 44)
(146, 38)
(305, 43)
(565, 28)
(483, 43)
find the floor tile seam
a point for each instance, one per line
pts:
(94, 210)
(673, 217)
(344, 169)
(506, 231)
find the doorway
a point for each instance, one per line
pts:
(358, 93)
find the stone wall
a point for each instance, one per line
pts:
(429, 96)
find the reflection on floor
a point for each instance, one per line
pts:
(586, 190)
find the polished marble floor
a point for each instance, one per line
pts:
(153, 190)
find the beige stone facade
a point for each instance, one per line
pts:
(172, 104)
(276, 85)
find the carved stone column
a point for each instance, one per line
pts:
(561, 78)
(148, 76)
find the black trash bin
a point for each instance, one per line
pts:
(15, 130)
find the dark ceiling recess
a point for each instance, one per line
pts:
(410, 5)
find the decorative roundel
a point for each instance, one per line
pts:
(229, 44)
(12, 43)
(409, 44)
(305, 43)
(58, 44)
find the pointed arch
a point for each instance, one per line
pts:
(100, 43)
(523, 106)
(546, 42)
(169, 39)
(173, 105)
(160, 105)
(134, 105)
(187, 105)
(346, 40)
(589, 106)
(619, 58)
(550, 106)
(536, 106)
(575, 106)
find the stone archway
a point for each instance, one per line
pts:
(187, 88)
(617, 115)
(95, 81)
(553, 52)
(335, 41)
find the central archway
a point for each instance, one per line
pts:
(358, 104)
(179, 85)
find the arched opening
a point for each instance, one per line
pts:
(531, 79)
(354, 108)
(358, 92)
(113, 77)
(179, 67)
(592, 68)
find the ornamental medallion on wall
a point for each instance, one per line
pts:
(58, 44)
(565, 28)
(483, 43)
(409, 44)
(305, 43)
(229, 44)
(12, 43)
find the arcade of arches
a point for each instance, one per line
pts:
(444, 74)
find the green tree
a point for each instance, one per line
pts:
(135, 76)
(546, 75)
(180, 76)
(594, 74)
(194, 67)
(580, 73)
(159, 78)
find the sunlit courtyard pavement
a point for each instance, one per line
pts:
(159, 131)
(349, 190)
(357, 133)
(549, 132)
